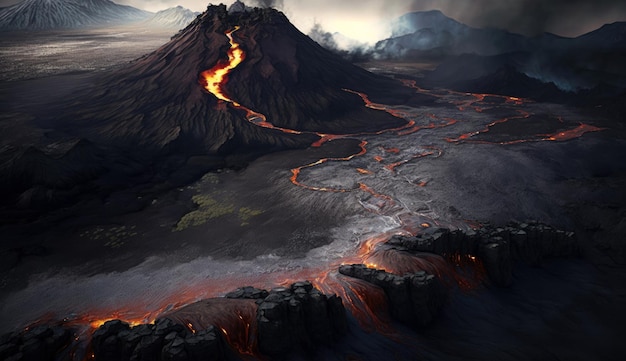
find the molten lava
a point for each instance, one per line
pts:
(295, 172)
(215, 78)
(573, 133)
(366, 302)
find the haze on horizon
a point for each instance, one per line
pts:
(367, 20)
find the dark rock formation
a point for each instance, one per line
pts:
(285, 321)
(298, 318)
(414, 299)
(497, 247)
(248, 293)
(165, 340)
(38, 343)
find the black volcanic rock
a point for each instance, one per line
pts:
(278, 323)
(298, 318)
(35, 177)
(165, 340)
(497, 247)
(248, 293)
(495, 254)
(43, 342)
(493, 75)
(157, 103)
(414, 299)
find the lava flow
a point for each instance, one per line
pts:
(366, 302)
(296, 171)
(215, 78)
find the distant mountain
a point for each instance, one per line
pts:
(176, 18)
(608, 36)
(467, 54)
(432, 31)
(60, 14)
(434, 19)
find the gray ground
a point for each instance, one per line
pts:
(255, 227)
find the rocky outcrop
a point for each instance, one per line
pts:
(292, 319)
(497, 247)
(414, 299)
(295, 318)
(37, 343)
(299, 319)
(165, 340)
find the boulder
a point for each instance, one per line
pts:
(497, 247)
(44, 342)
(299, 318)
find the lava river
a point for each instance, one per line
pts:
(385, 177)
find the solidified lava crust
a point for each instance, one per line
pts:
(299, 319)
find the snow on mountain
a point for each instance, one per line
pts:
(58, 14)
(176, 18)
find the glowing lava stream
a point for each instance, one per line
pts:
(564, 135)
(214, 79)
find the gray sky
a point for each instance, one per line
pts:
(366, 19)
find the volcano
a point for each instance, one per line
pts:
(285, 91)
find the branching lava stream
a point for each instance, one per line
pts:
(366, 302)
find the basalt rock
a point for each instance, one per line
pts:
(248, 293)
(165, 340)
(414, 299)
(297, 318)
(38, 343)
(497, 247)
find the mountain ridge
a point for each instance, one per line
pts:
(176, 17)
(67, 14)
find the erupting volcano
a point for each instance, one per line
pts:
(288, 85)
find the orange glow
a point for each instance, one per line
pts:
(366, 302)
(215, 78)
(391, 150)
(573, 133)
(94, 324)
(466, 136)
(364, 171)
(392, 167)
(295, 172)
(213, 81)
(470, 272)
